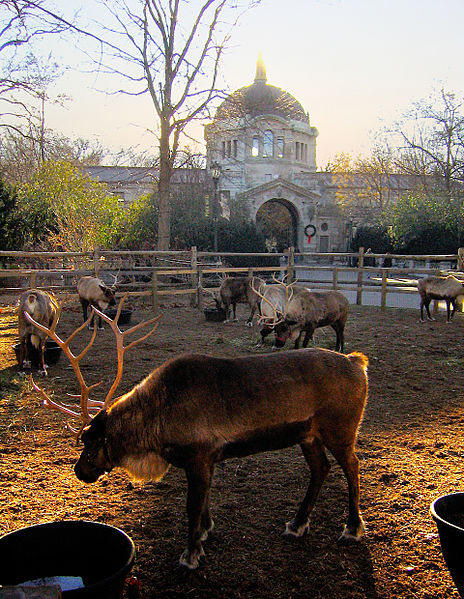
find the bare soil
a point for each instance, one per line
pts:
(410, 448)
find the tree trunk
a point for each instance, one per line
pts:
(164, 185)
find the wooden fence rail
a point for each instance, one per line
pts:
(160, 273)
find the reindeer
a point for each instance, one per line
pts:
(93, 292)
(195, 411)
(439, 288)
(234, 290)
(42, 307)
(293, 310)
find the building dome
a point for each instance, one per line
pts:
(261, 99)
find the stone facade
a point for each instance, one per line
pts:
(263, 141)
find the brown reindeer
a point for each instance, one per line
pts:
(42, 307)
(439, 288)
(236, 290)
(291, 310)
(196, 410)
(93, 292)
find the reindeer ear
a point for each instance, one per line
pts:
(102, 287)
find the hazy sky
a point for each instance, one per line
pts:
(353, 65)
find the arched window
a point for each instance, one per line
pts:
(280, 147)
(268, 144)
(255, 147)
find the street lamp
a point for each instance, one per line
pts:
(215, 172)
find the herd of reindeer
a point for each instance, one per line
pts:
(195, 410)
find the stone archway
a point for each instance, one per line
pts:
(278, 219)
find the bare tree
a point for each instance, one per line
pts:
(432, 140)
(171, 50)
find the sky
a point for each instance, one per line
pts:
(354, 65)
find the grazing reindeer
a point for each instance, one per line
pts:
(235, 290)
(439, 288)
(93, 292)
(196, 410)
(296, 310)
(42, 307)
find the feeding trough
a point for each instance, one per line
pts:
(214, 314)
(52, 353)
(98, 555)
(124, 317)
(448, 513)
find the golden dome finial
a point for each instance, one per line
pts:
(260, 70)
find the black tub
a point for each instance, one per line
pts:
(51, 356)
(124, 317)
(448, 513)
(215, 314)
(100, 554)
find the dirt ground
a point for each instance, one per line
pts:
(410, 448)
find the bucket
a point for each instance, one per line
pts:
(51, 355)
(124, 317)
(215, 314)
(448, 513)
(100, 554)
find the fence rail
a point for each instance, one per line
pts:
(160, 273)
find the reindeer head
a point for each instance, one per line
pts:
(89, 408)
(94, 459)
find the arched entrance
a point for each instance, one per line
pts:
(277, 219)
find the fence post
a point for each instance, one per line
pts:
(291, 264)
(33, 280)
(154, 292)
(360, 277)
(335, 278)
(461, 259)
(199, 294)
(96, 261)
(383, 299)
(194, 277)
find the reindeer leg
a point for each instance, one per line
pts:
(340, 337)
(427, 309)
(308, 336)
(350, 464)
(23, 353)
(207, 523)
(43, 366)
(449, 314)
(234, 308)
(199, 474)
(249, 322)
(319, 466)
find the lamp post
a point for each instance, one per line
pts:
(215, 172)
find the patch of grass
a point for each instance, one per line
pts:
(10, 383)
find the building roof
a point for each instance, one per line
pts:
(261, 99)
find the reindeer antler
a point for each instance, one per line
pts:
(120, 336)
(275, 320)
(87, 405)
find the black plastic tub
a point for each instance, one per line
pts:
(51, 356)
(100, 554)
(215, 314)
(448, 513)
(124, 317)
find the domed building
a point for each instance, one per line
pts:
(262, 140)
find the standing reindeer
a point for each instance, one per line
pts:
(196, 410)
(291, 310)
(93, 292)
(439, 288)
(42, 307)
(235, 290)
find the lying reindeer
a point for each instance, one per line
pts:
(439, 288)
(196, 410)
(291, 310)
(93, 292)
(235, 290)
(42, 307)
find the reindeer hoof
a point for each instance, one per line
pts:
(43, 372)
(249, 323)
(350, 538)
(204, 533)
(296, 531)
(191, 560)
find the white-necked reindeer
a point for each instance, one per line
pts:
(197, 410)
(439, 288)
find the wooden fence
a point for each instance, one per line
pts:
(191, 273)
